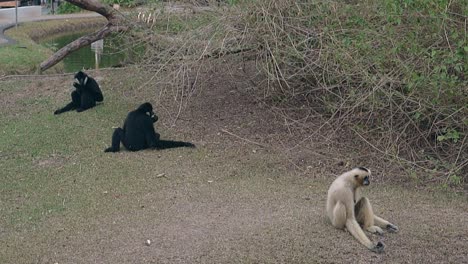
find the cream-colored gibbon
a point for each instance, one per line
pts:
(346, 208)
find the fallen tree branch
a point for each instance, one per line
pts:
(116, 23)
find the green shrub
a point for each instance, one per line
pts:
(393, 71)
(67, 8)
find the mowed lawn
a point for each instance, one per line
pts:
(55, 167)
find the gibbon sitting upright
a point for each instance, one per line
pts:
(347, 208)
(138, 132)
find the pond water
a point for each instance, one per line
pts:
(108, 52)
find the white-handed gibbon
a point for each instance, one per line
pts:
(138, 132)
(347, 208)
(85, 96)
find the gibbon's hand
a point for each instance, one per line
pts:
(391, 228)
(378, 248)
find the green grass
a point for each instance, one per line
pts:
(25, 56)
(22, 57)
(54, 164)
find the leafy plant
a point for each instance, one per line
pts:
(455, 180)
(450, 134)
(67, 8)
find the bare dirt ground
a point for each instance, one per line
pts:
(253, 191)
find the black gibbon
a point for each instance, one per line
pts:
(347, 208)
(138, 132)
(85, 96)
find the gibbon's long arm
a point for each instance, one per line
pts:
(94, 87)
(353, 227)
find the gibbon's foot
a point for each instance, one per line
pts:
(375, 230)
(110, 150)
(378, 248)
(392, 228)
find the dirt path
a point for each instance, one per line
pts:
(252, 192)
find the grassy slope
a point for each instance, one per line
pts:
(22, 57)
(25, 56)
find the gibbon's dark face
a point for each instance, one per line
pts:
(153, 116)
(81, 78)
(366, 181)
(362, 180)
(362, 176)
(147, 108)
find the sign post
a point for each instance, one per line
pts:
(16, 14)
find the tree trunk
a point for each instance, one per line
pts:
(115, 23)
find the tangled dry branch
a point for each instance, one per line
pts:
(116, 23)
(395, 96)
